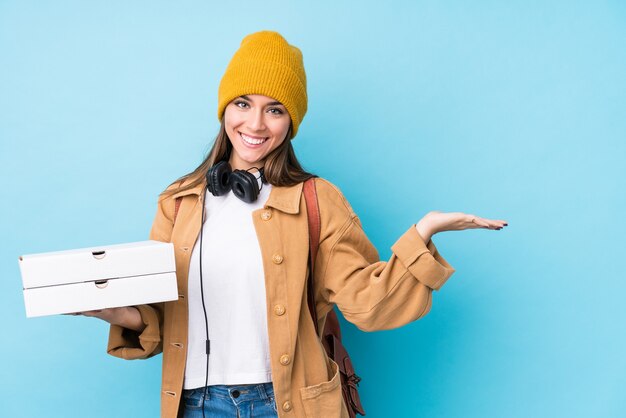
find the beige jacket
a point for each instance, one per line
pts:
(372, 294)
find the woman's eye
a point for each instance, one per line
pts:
(241, 104)
(275, 111)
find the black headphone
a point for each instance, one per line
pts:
(221, 179)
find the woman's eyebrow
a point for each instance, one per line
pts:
(267, 104)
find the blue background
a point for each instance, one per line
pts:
(508, 110)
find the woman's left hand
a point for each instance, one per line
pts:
(437, 221)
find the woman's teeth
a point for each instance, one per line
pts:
(252, 141)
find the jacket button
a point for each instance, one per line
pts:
(277, 258)
(284, 359)
(266, 215)
(279, 310)
(287, 406)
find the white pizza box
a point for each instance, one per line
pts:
(99, 277)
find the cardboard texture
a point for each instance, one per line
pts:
(98, 277)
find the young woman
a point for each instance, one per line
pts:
(240, 340)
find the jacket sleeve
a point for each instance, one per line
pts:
(378, 295)
(129, 344)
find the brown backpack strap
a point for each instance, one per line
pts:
(331, 334)
(313, 215)
(176, 207)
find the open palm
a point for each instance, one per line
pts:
(457, 221)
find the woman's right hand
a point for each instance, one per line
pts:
(125, 316)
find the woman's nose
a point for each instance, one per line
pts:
(256, 121)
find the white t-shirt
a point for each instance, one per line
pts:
(234, 295)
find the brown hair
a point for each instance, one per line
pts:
(282, 168)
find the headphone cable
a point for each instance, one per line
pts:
(206, 319)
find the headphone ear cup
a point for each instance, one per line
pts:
(244, 185)
(218, 178)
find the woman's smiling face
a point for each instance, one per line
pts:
(256, 125)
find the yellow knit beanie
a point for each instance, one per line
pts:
(266, 64)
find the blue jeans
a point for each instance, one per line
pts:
(231, 401)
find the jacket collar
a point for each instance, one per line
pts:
(286, 199)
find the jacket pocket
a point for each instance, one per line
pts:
(325, 399)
